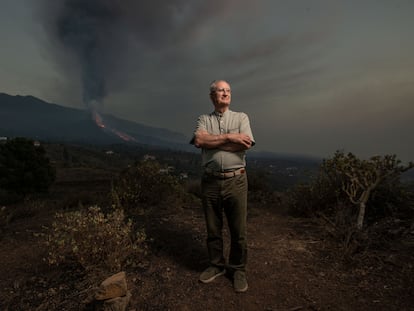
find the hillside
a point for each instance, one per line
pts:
(31, 117)
(294, 264)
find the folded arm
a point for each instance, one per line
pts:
(229, 142)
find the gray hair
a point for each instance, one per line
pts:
(213, 85)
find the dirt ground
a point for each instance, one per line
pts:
(292, 266)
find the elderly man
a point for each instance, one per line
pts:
(224, 136)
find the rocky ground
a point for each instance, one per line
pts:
(292, 266)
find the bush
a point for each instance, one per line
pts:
(392, 199)
(94, 240)
(345, 180)
(320, 195)
(24, 168)
(193, 187)
(259, 181)
(145, 184)
(344, 185)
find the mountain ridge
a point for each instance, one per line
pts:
(29, 116)
(32, 117)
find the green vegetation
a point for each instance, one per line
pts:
(24, 169)
(145, 184)
(94, 240)
(119, 207)
(360, 178)
(349, 192)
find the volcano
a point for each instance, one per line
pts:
(32, 117)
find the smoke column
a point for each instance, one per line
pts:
(88, 29)
(97, 33)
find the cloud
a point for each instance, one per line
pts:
(307, 69)
(109, 39)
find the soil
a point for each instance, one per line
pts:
(292, 266)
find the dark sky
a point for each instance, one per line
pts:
(314, 76)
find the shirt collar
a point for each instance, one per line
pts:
(219, 114)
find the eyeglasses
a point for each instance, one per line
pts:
(222, 90)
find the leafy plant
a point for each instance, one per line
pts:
(348, 192)
(24, 167)
(145, 183)
(94, 240)
(360, 178)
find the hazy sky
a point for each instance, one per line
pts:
(314, 76)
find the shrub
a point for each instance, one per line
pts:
(361, 178)
(145, 184)
(259, 181)
(392, 199)
(24, 167)
(94, 240)
(320, 195)
(346, 180)
(193, 186)
(9, 214)
(347, 186)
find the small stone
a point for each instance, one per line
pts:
(114, 304)
(52, 291)
(112, 287)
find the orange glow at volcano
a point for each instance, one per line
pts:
(123, 136)
(98, 119)
(100, 123)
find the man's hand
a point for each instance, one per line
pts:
(240, 139)
(230, 142)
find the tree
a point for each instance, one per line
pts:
(359, 178)
(24, 167)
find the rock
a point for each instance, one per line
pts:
(114, 304)
(113, 287)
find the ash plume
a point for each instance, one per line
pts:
(99, 33)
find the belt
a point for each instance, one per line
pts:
(225, 174)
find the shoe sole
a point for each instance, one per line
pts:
(242, 290)
(213, 277)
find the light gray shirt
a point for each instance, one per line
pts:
(224, 123)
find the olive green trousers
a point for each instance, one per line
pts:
(226, 197)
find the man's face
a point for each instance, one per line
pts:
(221, 97)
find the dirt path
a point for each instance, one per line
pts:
(289, 269)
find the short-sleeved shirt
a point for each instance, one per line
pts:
(224, 123)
